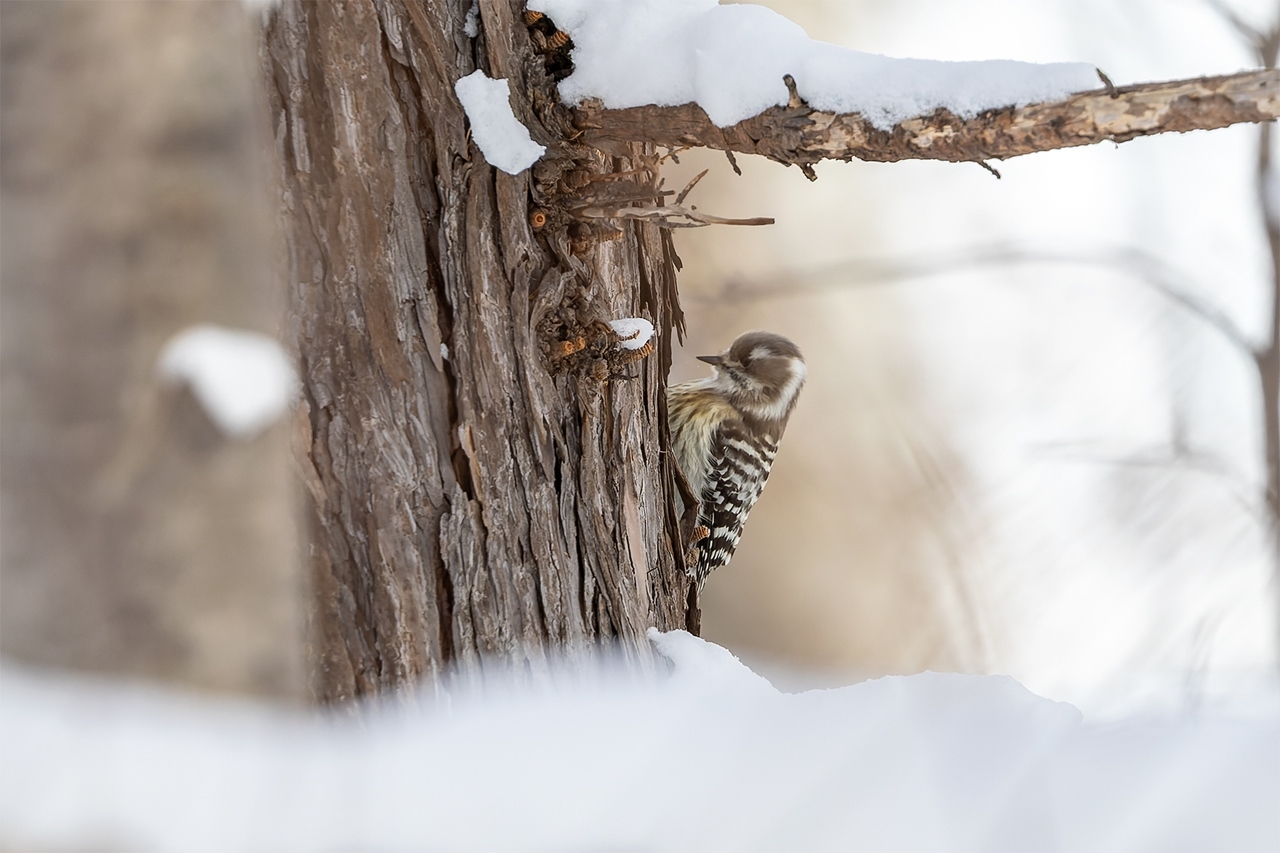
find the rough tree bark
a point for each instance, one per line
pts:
(478, 489)
(483, 485)
(1266, 356)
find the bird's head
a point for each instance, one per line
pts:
(761, 374)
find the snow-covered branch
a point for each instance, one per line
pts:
(799, 134)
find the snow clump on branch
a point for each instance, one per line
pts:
(635, 332)
(731, 61)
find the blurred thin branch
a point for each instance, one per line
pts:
(1266, 356)
(1243, 27)
(1144, 266)
(1265, 43)
(1174, 457)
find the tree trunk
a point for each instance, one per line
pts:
(137, 538)
(477, 489)
(1267, 357)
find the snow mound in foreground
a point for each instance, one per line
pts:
(730, 60)
(710, 758)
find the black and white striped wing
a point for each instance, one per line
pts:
(740, 464)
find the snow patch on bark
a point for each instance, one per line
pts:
(503, 140)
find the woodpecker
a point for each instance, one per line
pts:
(725, 432)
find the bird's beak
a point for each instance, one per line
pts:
(716, 360)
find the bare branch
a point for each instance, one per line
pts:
(668, 216)
(804, 136)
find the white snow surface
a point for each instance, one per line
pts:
(731, 61)
(710, 758)
(505, 142)
(634, 331)
(244, 380)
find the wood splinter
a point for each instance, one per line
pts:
(670, 216)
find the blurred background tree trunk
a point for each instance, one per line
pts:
(137, 539)
(467, 497)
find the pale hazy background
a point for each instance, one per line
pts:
(960, 487)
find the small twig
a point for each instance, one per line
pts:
(1243, 27)
(617, 176)
(1107, 84)
(671, 155)
(793, 95)
(684, 193)
(992, 169)
(733, 161)
(627, 195)
(673, 216)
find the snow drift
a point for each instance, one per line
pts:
(711, 757)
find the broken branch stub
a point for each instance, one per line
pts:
(797, 134)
